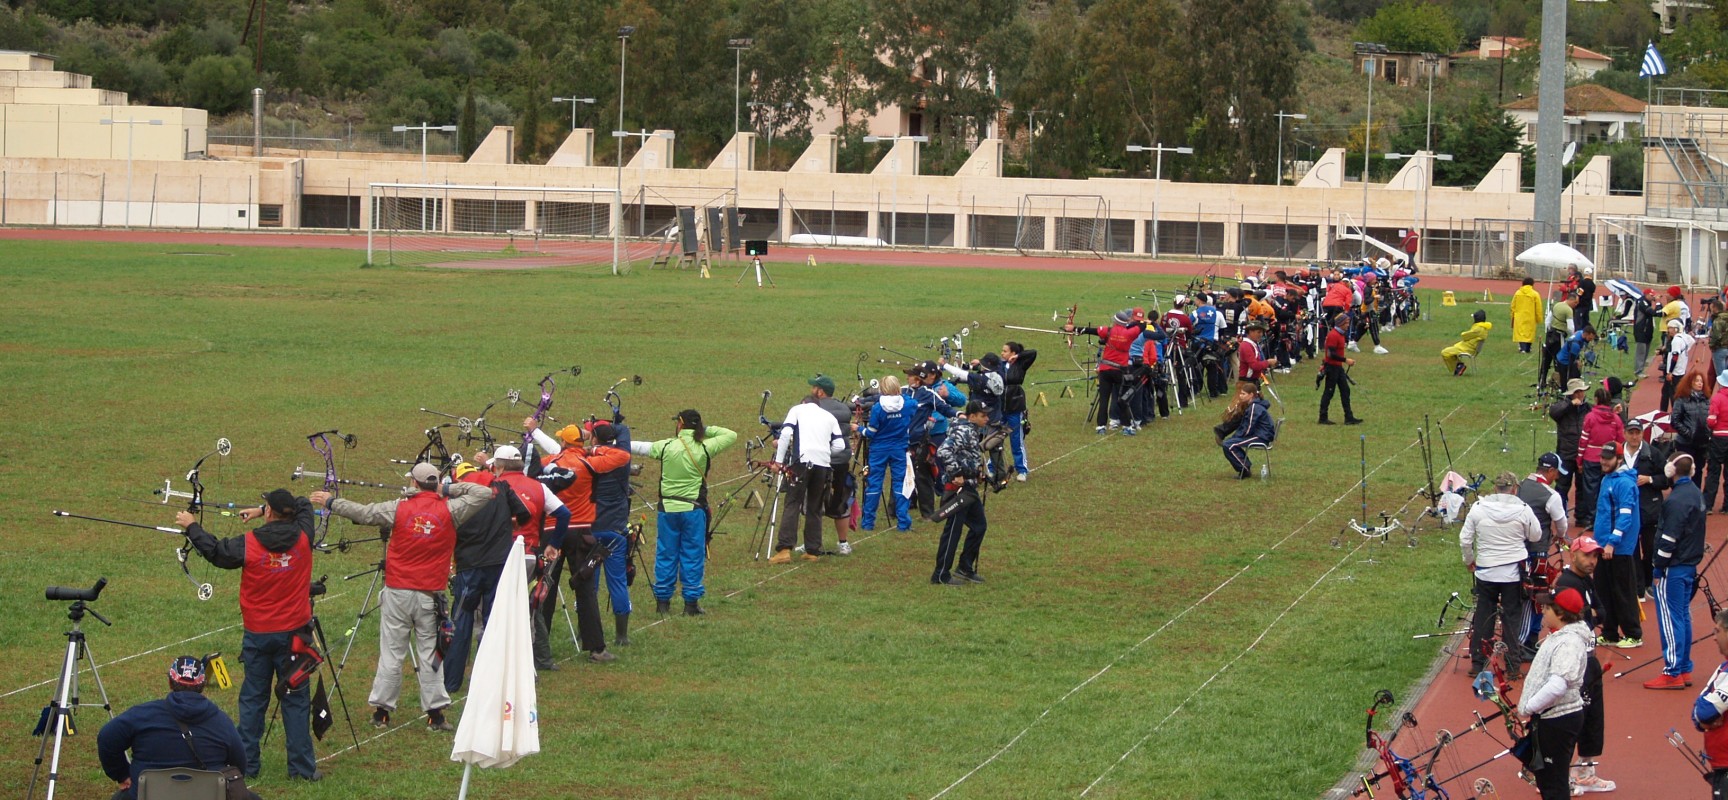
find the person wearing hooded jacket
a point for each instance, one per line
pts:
(886, 431)
(1552, 701)
(1526, 310)
(1495, 539)
(182, 730)
(275, 563)
(1717, 421)
(1568, 414)
(1255, 427)
(1116, 338)
(1618, 519)
(1469, 343)
(1602, 425)
(1678, 552)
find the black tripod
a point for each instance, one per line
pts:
(58, 713)
(317, 588)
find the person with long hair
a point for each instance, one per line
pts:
(681, 540)
(1690, 415)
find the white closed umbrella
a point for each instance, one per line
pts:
(1555, 255)
(501, 723)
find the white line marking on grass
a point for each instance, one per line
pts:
(140, 654)
(1161, 628)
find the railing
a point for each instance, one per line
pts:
(1688, 96)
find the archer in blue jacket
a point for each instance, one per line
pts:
(1618, 520)
(1571, 353)
(887, 431)
(152, 731)
(1254, 428)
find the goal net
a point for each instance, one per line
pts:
(499, 227)
(1062, 223)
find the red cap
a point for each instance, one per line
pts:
(1674, 292)
(1585, 544)
(1570, 600)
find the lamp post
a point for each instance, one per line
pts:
(425, 177)
(641, 170)
(574, 103)
(894, 215)
(737, 46)
(1158, 180)
(774, 121)
(1281, 117)
(1430, 61)
(130, 124)
(1367, 50)
(1427, 180)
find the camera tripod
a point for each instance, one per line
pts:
(323, 646)
(58, 713)
(761, 273)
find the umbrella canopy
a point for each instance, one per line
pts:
(1556, 256)
(1624, 288)
(501, 723)
(1656, 423)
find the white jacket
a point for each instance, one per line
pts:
(1496, 530)
(819, 436)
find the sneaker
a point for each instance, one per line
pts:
(547, 667)
(969, 577)
(781, 557)
(1020, 476)
(603, 657)
(952, 580)
(436, 722)
(845, 549)
(1114, 424)
(1101, 429)
(1353, 348)
(1379, 350)
(380, 718)
(1591, 783)
(1603, 641)
(1280, 371)
(1666, 682)
(1130, 430)
(1630, 644)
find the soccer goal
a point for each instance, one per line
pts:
(1063, 223)
(500, 227)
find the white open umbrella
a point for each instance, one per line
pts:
(1624, 288)
(1555, 255)
(501, 723)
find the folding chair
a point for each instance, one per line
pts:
(181, 783)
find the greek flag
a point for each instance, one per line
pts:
(1653, 64)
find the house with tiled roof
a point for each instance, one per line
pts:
(1581, 62)
(1592, 113)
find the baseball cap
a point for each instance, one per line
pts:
(507, 451)
(1552, 461)
(976, 407)
(1586, 544)
(823, 382)
(604, 433)
(1634, 424)
(186, 671)
(570, 434)
(1505, 480)
(1570, 600)
(1676, 324)
(423, 473)
(1612, 449)
(280, 501)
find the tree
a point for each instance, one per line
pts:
(1132, 90)
(217, 84)
(1242, 71)
(1412, 27)
(467, 128)
(528, 129)
(1477, 137)
(1050, 103)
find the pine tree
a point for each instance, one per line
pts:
(467, 128)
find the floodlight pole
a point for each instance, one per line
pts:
(894, 183)
(618, 226)
(1158, 180)
(574, 103)
(1281, 117)
(737, 46)
(425, 176)
(130, 125)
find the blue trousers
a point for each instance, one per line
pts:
(265, 657)
(680, 553)
(1017, 439)
(886, 462)
(471, 593)
(1236, 451)
(617, 586)
(1673, 588)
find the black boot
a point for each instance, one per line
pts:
(662, 607)
(623, 625)
(693, 608)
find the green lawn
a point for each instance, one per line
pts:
(1139, 598)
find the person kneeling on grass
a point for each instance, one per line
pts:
(1469, 344)
(1254, 427)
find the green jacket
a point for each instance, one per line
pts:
(1719, 331)
(684, 464)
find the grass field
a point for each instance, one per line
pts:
(1152, 628)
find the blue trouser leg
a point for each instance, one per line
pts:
(879, 458)
(617, 586)
(666, 552)
(1236, 451)
(265, 657)
(897, 476)
(1017, 439)
(1673, 589)
(471, 593)
(693, 556)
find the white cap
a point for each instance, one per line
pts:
(1674, 323)
(508, 451)
(423, 473)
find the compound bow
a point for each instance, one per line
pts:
(320, 443)
(1408, 783)
(547, 387)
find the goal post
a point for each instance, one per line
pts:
(1063, 223)
(436, 224)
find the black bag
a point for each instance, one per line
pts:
(955, 501)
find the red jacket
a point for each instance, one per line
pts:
(1601, 426)
(422, 542)
(1335, 344)
(1116, 339)
(1339, 295)
(273, 596)
(1718, 419)
(583, 466)
(1250, 365)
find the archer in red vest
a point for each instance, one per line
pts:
(416, 570)
(275, 563)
